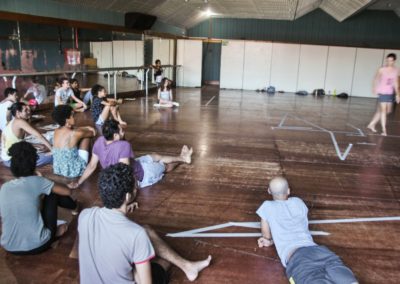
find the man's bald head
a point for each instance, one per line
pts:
(279, 187)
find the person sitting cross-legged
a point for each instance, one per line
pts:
(114, 249)
(28, 205)
(71, 143)
(110, 149)
(284, 223)
(16, 130)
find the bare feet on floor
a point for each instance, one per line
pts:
(194, 267)
(186, 154)
(371, 128)
(384, 134)
(61, 229)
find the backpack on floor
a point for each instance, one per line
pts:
(270, 90)
(343, 96)
(318, 92)
(302, 93)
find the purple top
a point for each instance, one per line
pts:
(110, 154)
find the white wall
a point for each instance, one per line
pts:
(257, 64)
(189, 55)
(232, 64)
(312, 67)
(367, 63)
(285, 66)
(339, 72)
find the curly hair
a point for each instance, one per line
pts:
(96, 89)
(114, 183)
(61, 113)
(110, 127)
(23, 159)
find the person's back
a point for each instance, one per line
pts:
(109, 245)
(22, 224)
(289, 225)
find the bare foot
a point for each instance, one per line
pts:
(384, 134)
(186, 154)
(371, 128)
(76, 210)
(61, 230)
(194, 267)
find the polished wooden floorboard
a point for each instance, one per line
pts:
(237, 149)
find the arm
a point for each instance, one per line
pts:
(61, 190)
(396, 89)
(78, 100)
(32, 131)
(89, 169)
(85, 132)
(159, 94)
(143, 273)
(126, 161)
(266, 239)
(170, 95)
(376, 81)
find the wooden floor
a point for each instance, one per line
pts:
(240, 141)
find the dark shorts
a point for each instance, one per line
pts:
(158, 274)
(385, 98)
(317, 264)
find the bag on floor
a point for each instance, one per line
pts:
(270, 90)
(343, 96)
(302, 93)
(318, 92)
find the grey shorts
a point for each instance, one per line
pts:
(385, 98)
(153, 170)
(317, 264)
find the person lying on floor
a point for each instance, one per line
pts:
(114, 249)
(29, 222)
(284, 222)
(110, 149)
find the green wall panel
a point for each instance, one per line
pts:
(370, 28)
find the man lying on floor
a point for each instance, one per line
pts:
(284, 223)
(110, 149)
(114, 249)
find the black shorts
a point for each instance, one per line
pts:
(158, 274)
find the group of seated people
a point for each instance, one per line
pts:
(113, 248)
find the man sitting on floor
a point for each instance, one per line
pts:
(110, 149)
(16, 130)
(114, 249)
(284, 222)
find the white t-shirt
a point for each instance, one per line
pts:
(3, 113)
(109, 245)
(38, 92)
(288, 222)
(63, 95)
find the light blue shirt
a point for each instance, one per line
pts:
(288, 222)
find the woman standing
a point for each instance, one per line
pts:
(385, 85)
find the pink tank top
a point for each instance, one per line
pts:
(387, 81)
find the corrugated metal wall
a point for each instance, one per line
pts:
(370, 28)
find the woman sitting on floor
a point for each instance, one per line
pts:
(71, 145)
(27, 229)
